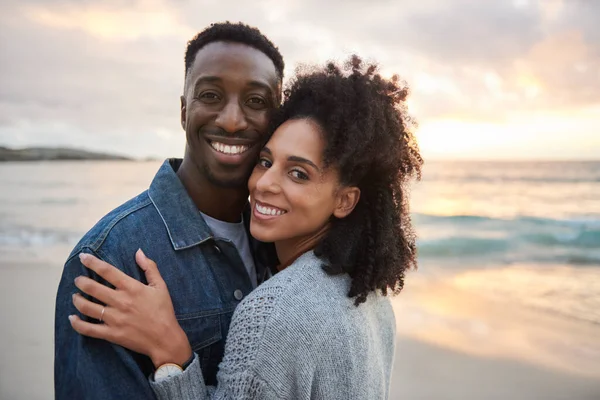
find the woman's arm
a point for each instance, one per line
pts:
(237, 377)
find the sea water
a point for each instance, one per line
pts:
(528, 232)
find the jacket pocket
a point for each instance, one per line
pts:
(202, 329)
(204, 333)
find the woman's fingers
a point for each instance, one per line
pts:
(89, 308)
(150, 269)
(96, 290)
(111, 274)
(98, 331)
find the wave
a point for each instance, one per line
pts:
(521, 239)
(27, 237)
(509, 179)
(585, 239)
(583, 223)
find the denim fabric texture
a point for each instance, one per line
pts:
(202, 272)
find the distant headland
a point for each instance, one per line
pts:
(55, 154)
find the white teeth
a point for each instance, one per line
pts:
(226, 149)
(269, 211)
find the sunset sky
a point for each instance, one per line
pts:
(490, 79)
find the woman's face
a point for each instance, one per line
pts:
(292, 194)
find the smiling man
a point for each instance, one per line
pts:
(193, 220)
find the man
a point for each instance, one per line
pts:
(193, 220)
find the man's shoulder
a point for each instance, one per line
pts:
(121, 221)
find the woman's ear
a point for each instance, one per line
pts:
(347, 199)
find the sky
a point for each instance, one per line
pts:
(496, 79)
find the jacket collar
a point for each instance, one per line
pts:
(181, 217)
(184, 223)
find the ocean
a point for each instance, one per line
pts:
(524, 232)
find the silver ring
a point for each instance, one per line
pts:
(102, 314)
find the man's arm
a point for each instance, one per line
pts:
(86, 368)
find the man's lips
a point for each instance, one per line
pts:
(232, 141)
(229, 149)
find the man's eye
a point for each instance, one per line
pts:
(299, 175)
(209, 96)
(263, 162)
(256, 102)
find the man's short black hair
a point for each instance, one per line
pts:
(237, 33)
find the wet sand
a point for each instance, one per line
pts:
(456, 344)
(452, 344)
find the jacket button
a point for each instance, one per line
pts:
(238, 294)
(217, 249)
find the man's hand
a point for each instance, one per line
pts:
(136, 316)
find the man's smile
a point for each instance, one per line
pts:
(228, 149)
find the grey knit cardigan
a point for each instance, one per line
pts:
(299, 336)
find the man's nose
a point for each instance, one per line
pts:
(232, 118)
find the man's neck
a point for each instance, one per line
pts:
(224, 204)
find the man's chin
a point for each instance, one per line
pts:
(228, 182)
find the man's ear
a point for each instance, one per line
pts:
(347, 199)
(183, 112)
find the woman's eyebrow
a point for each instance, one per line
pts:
(303, 161)
(295, 159)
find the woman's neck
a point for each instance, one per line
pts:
(289, 250)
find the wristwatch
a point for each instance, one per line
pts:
(168, 370)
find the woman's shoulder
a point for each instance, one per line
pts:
(308, 268)
(304, 294)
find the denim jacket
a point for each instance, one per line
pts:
(205, 276)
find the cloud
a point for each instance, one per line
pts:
(108, 75)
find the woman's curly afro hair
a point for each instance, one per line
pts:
(368, 139)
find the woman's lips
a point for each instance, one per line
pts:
(264, 211)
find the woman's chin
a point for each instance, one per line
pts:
(261, 234)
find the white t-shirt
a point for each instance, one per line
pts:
(236, 233)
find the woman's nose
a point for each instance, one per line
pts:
(269, 182)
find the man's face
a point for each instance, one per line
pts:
(230, 92)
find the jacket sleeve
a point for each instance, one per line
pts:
(87, 368)
(237, 377)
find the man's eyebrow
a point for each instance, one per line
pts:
(261, 85)
(206, 79)
(295, 159)
(216, 79)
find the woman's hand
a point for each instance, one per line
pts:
(136, 316)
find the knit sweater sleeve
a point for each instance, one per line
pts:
(237, 377)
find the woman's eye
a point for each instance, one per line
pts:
(263, 162)
(299, 175)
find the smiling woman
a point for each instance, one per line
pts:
(292, 192)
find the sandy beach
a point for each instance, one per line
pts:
(452, 344)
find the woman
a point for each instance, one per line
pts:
(330, 190)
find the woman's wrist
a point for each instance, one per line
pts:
(177, 352)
